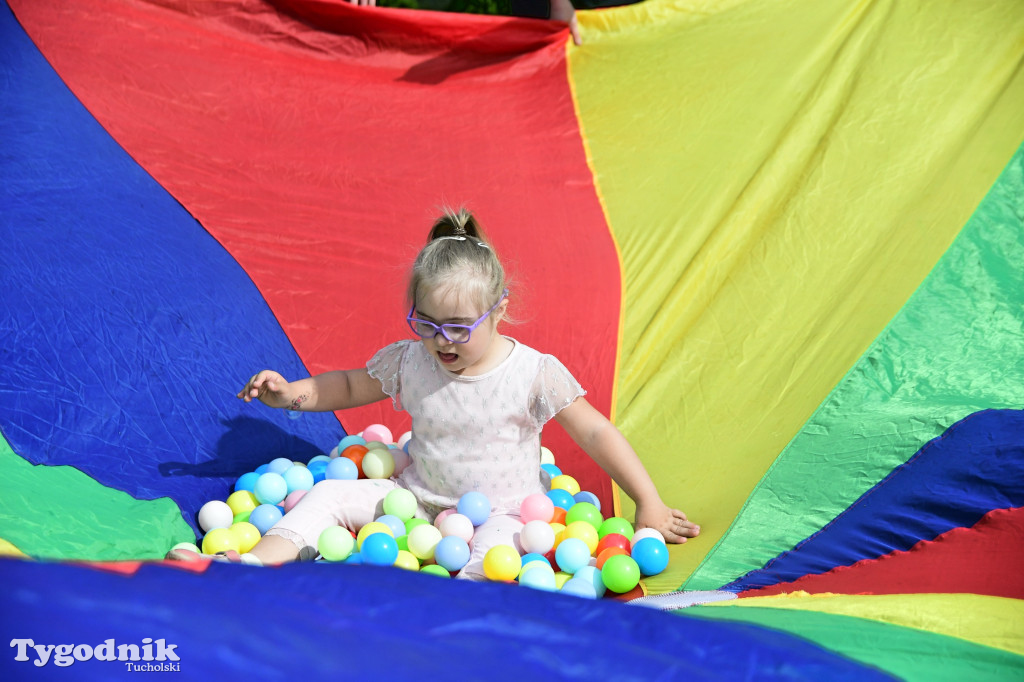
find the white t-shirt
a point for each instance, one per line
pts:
(474, 433)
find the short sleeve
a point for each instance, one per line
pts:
(386, 367)
(553, 390)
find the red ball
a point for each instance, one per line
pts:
(613, 540)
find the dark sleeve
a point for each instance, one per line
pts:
(537, 9)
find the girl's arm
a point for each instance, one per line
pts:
(609, 448)
(337, 390)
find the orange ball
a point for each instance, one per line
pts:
(356, 453)
(608, 554)
(558, 516)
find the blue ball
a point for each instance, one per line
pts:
(572, 554)
(319, 458)
(342, 468)
(533, 556)
(592, 574)
(651, 555)
(319, 470)
(451, 553)
(379, 549)
(561, 498)
(279, 465)
(298, 478)
(355, 558)
(270, 488)
(264, 517)
(262, 469)
(587, 496)
(246, 481)
(539, 579)
(551, 469)
(350, 440)
(579, 588)
(476, 506)
(396, 524)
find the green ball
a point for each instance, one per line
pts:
(434, 569)
(620, 573)
(401, 503)
(412, 523)
(585, 511)
(616, 524)
(335, 543)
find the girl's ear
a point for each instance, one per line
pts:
(499, 312)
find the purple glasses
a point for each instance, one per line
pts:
(454, 333)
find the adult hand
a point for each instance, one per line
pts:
(562, 10)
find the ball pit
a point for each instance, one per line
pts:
(566, 543)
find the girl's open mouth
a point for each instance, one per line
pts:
(447, 358)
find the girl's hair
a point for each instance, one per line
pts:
(458, 255)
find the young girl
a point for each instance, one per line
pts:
(478, 401)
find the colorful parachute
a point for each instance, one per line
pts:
(781, 244)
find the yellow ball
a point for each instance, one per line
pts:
(246, 535)
(242, 501)
(566, 483)
(502, 563)
(584, 531)
(407, 561)
(378, 464)
(561, 578)
(370, 528)
(219, 540)
(559, 533)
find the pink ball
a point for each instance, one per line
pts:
(537, 507)
(442, 516)
(292, 499)
(378, 432)
(402, 460)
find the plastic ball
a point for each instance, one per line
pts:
(587, 496)
(378, 432)
(319, 470)
(403, 439)
(620, 573)
(651, 555)
(613, 540)
(452, 552)
(370, 529)
(558, 516)
(566, 483)
(378, 464)
(423, 540)
(318, 458)
(354, 559)
(406, 560)
(434, 569)
(401, 503)
(579, 588)
(239, 517)
(572, 554)
(458, 525)
(412, 523)
(476, 506)
(264, 517)
(375, 445)
(561, 498)
(356, 454)
(607, 554)
(298, 477)
(270, 488)
(561, 578)
(246, 535)
(190, 546)
(582, 530)
(592, 574)
(396, 524)
(402, 460)
(584, 511)
(537, 537)
(246, 481)
(502, 563)
(215, 514)
(647, 533)
(279, 465)
(442, 515)
(219, 540)
(615, 524)
(350, 440)
(539, 577)
(335, 543)
(531, 558)
(379, 549)
(262, 469)
(536, 507)
(551, 470)
(293, 499)
(342, 469)
(546, 456)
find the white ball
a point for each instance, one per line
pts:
(537, 536)
(404, 438)
(215, 514)
(422, 540)
(646, 533)
(458, 525)
(546, 456)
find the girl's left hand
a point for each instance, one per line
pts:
(671, 523)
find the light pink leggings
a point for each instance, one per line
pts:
(353, 504)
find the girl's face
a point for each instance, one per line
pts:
(485, 348)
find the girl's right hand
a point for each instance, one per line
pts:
(269, 387)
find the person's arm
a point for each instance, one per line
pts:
(337, 390)
(609, 448)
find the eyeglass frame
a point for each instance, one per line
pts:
(439, 328)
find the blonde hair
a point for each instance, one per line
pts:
(457, 255)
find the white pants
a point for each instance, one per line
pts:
(353, 504)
